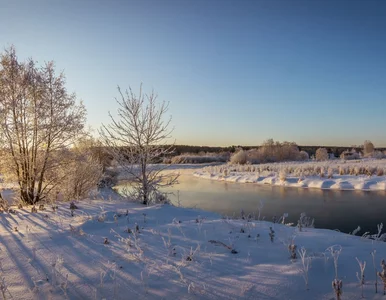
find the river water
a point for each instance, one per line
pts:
(331, 209)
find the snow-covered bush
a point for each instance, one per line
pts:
(349, 155)
(303, 155)
(82, 171)
(368, 148)
(271, 151)
(192, 158)
(240, 157)
(321, 154)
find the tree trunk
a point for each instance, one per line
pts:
(26, 196)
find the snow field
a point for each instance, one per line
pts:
(180, 253)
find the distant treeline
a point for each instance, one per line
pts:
(180, 149)
(336, 150)
(102, 154)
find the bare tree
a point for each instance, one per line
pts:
(38, 120)
(137, 140)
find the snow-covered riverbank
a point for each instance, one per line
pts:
(352, 175)
(344, 182)
(176, 252)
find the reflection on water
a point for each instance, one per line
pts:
(343, 210)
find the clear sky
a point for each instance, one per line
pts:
(236, 72)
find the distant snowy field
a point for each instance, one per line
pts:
(177, 254)
(365, 174)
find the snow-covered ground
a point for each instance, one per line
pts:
(335, 174)
(178, 253)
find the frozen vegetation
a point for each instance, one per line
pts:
(192, 158)
(361, 174)
(107, 248)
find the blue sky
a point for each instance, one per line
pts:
(235, 72)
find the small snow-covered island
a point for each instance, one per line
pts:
(257, 173)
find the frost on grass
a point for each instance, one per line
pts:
(361, 275)
(337, 285)
(363, 174)
(181, 253)
(335, 251)
(306, 262)
(382, 275)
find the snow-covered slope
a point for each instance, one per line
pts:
(177, 254)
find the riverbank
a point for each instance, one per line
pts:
(111, 249)
(364, 175)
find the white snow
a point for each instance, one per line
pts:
(303, 174)
(153, 264)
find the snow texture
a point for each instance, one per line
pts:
(112, 249)
(357, 175)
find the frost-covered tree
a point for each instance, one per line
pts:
(321, 154)
(83, 170)
(368, 148)
(38, 120)
(271, 151)
(303, 155)
(240, 157)
(136, 139)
